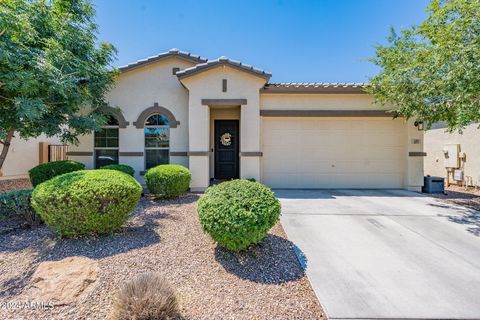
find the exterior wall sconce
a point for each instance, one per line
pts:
(419, 125)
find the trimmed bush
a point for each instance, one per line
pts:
(49, 170)
(121, 167)
(168, 180)
(238, 213)
(147, 296)
(86, 202)
(16, 205)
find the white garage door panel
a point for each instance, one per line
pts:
(333, 153)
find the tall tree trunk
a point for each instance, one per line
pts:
(6, 146)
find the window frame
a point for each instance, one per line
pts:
(106, 148)
(147, 126)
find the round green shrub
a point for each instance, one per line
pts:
(168, 180)
(238, 213)
(87, 202)
(120, 167)
(47, 171)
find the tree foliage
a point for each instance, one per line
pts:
(51, 68)
(431, 71)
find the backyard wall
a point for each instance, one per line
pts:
(23, 155)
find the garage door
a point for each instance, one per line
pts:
(333, 152)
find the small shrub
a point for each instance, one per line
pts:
(168, 180)
(121, 167)
(86, 202)
(146, 297)
(238, 213)
(16, 205)
(49, 170)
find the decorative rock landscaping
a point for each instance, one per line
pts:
(264, 282)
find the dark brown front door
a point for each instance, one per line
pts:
(226, 149)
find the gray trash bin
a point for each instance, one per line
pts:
(433, 184)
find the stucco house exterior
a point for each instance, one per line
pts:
(437, 140)
(223, 120)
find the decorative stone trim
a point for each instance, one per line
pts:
(178, 153)
(251, 154)
(327, 113)
(130, 154)
(117, 114)
(417, 154)
(79, 153)
(140, 123)
(224, 102)
(198, 153)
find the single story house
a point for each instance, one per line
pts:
(223, 120)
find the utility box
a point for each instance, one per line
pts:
(451, 153)
(433, 184)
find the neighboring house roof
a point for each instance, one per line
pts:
(171, 53)
(223, 61)
(315, 87)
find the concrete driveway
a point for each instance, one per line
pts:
(386, 254)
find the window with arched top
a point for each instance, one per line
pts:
(157, 140)
(106, 143)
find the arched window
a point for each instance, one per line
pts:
(106, 144)
(157, 140)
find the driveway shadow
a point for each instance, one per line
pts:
(272, 261)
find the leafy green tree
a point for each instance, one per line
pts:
(431, 72)
(51, 69)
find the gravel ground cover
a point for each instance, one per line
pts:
(469, 198)
(264, 282)
(14, 184)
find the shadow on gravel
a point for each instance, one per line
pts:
(467, 207)
(272, 261)
(139, 232)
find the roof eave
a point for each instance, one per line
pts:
(211, 65)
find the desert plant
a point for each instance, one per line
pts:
(120, 167)
(47, 171)
(148, 296)
(16, 205)
(86, 202)
(168, 180)
(238, 213)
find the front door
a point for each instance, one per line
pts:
(226, 149)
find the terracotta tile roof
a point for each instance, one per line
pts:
(223, 61)
(315, 87)
(172, 52)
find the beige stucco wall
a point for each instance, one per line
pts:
(208, 85)
(135, 91)
(318, 102)
(469, 140)
(24, 155)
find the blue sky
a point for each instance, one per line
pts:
(298, 41)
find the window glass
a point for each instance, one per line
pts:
(155, 157)
(106, 144)
(105, 157)
(157, 141)
(106, 138)
(157, 120)
(156, 138)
